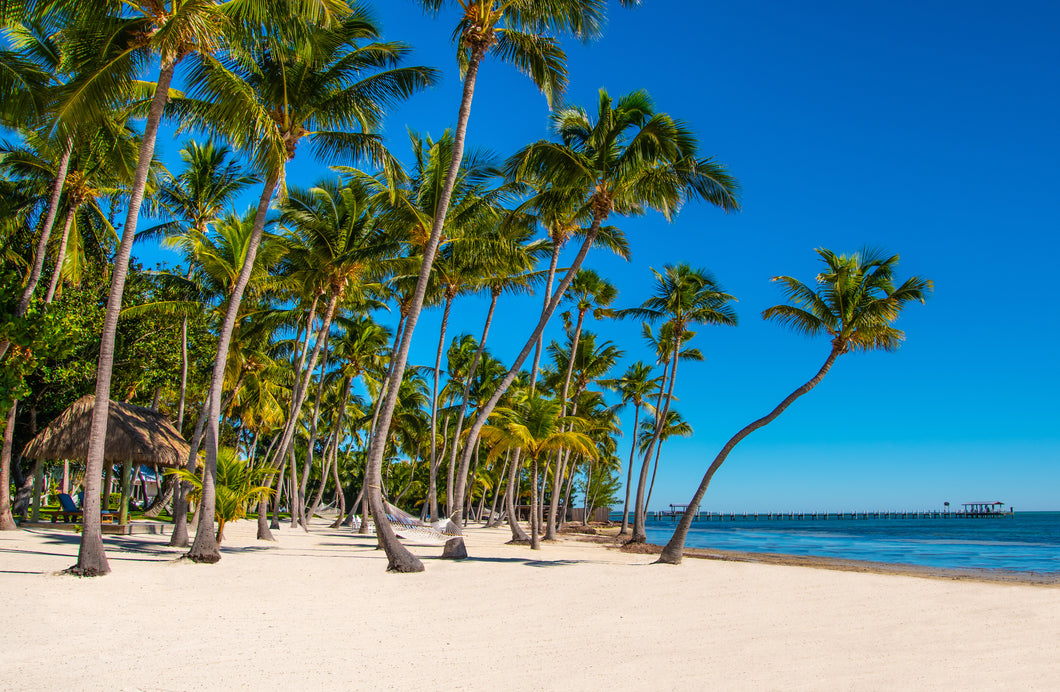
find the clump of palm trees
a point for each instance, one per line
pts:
(286, 378)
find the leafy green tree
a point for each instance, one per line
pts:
(855, 302)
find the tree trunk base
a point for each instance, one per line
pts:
(203, 559)
(454, 549)
(669, 557)
(403, 565)
(518, 541)
(205, 550)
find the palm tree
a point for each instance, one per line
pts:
(675, 425)
(197, 197)
(628, 160)
(170, 31)
(855, 302)
(268, 100)
(635, 385)
(587, 291)
(239, 483)
(516, 32)
(685, 296)
(536, 427)
(335, 244)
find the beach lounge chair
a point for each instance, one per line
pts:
(72, 514)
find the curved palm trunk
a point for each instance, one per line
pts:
(629, 471)
(432, 488)
(561, 462)
(179, 537)
(7, 521)
(91, 559)
(467, 382)
(326, 333)
(205, 548)
(399, 559)
(654, 470)
(552, 264)
(513, 372)
(640, 534)
(518, 535)
(535, 527)
(60, 257)
(57, 191)
(675, 548)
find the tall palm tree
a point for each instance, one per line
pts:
(335, 243)
(684, 297)
(675, 425)
(634, 385)
(523, 33)
(144, 30)
(196, 198)
(855, 302)
(333, 90)
(627, 160)
(587, 291)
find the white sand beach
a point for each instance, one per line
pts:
(317, 611)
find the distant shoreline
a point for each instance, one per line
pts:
(606, 536)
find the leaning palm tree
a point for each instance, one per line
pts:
(626, 160)
(523, 33)
(684, 297)
(855, 301)
(332, 89)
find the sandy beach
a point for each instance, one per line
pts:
(317, 611)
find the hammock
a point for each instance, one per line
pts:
(410, 528)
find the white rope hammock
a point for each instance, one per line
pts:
(410, 528)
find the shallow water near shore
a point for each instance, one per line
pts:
(1023, 542)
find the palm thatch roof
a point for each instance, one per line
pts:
(134, 433)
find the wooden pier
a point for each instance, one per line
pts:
(972, 510)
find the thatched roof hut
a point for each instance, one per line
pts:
(134, 433)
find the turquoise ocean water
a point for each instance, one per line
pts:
(1024, 542)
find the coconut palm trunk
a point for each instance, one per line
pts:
(629, 471)
(513, 372)
(640, 534)
(470, 378)
(60, 257)
(205, 548)
(518, 535)
(53, 211)
(325, 333)
(179, 537)
(674, 550)
(432, 489)
(551, 276)
(561, 461)
(7, 521)
(399, 559)
(91, 559)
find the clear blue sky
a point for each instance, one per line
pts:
(927, 128)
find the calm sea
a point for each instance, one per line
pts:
(1024, 542)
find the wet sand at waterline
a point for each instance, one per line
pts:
(318, 611)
